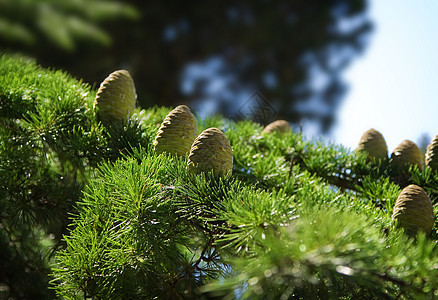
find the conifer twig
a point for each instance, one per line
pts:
(291, 165)
(201, 257)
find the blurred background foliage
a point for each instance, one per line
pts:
(210, 55)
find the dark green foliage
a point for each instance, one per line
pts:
(63, 24)
(122, 231)
(98, 214)
(50, 143)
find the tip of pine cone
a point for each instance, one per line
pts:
(407, 153)
(177, 132)
(281, 126)
(431, 156)
(373, 143)
(115, 99)
(413, 210)
(211, 152)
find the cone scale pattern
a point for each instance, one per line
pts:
(373, 143)
(115, 99)
(407, 153)
(211, 151)
(281, 126)
(432, 154)
(413, 210)
(177, 132)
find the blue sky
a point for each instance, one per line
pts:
(394, 85)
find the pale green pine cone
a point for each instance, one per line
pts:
(413, 210)
(211, 152)
(281, 126)
(177, 132)
(407, 153)
(115, 99)
(373, 143)
(432, 154)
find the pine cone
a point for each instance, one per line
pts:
(407, 153)
(432, 154)
(413, 210)
(115, 99)
(211, 151)
(373, 143)
(177, 132)
(281, 126)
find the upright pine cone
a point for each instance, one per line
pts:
(115, 99)
(432, 154)
(413, 210)
(211, 151)
(281, 126)
(373, 143)
(407, 153)
(177, 132)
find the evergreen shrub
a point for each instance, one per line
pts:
(90, 212)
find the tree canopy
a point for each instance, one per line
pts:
(215, 55)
